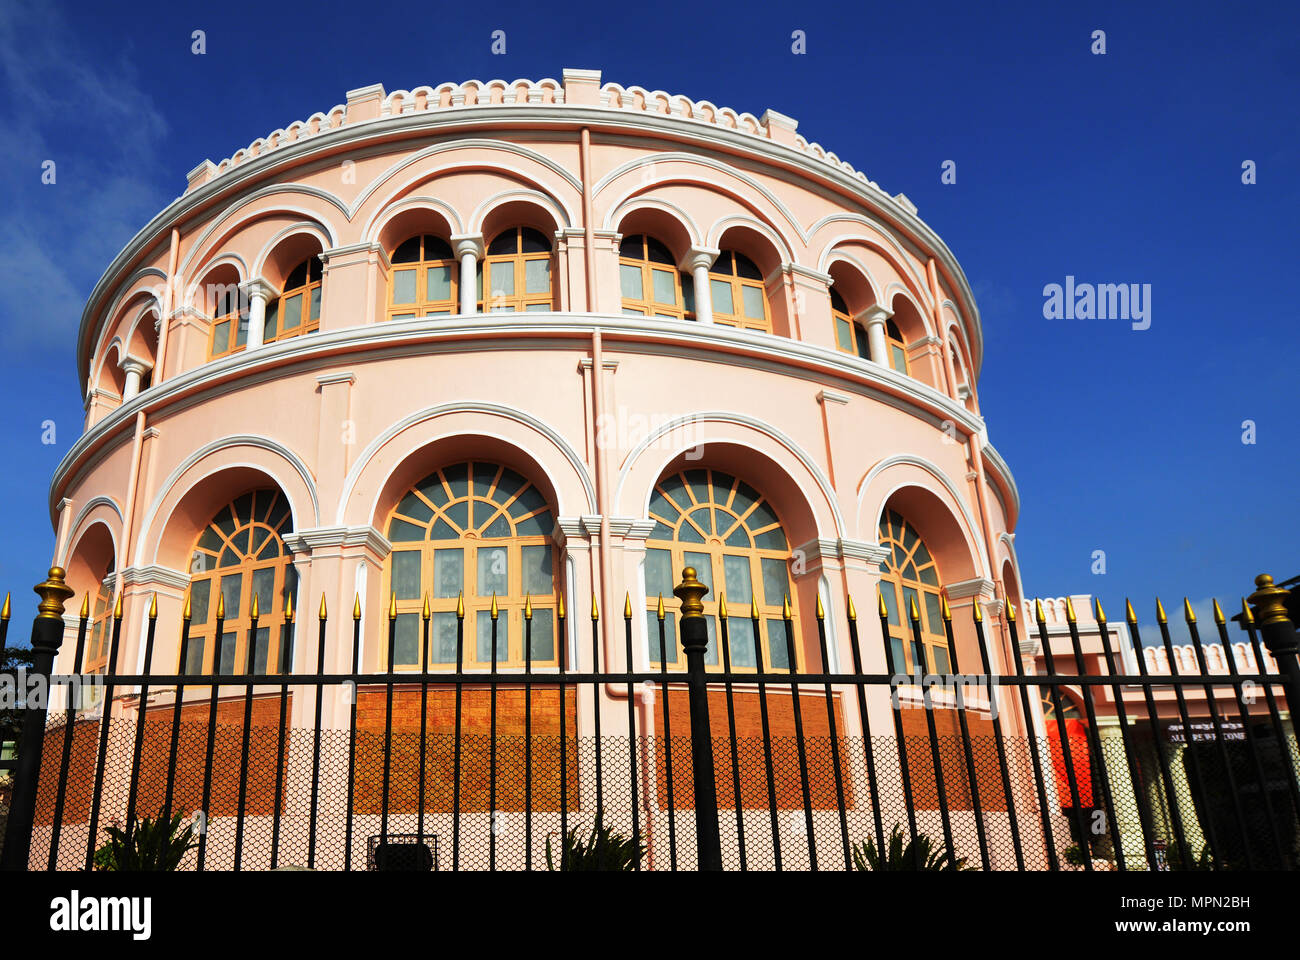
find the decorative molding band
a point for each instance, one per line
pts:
(155, 575)
(842, 549)
(978, 587)
(318, 538)
(631, 528)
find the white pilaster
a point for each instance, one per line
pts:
(874, 317)
(698, 260)
(134, 368)
(469, 250)
(259, 294)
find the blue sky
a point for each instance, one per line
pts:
(1120, 168)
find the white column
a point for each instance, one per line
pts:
(874, 317)
(698, 260)
(134, 368)
(469, 250)
(259, 293)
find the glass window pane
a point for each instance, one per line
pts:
(629, 281)
(231, 589)
(539, 578)
(438, 284)
(406, 640)
(400, 531)
(442, 637)
(536, 307)
(899, 359)
(658, 575)
(537, 276)
(493, 572)
(261, 649)
(753, 297)
(670, 642)
(703, 571)
(200, 590)
(406, 574)
(843, 334)
(933, 613)
(503, 278)
(776, 582)
(404, 286)
(721, 291)
(778, 651)
(741, 635)
(737, 576)
(448, 572)
(264, 590)
(896, 646)
(293, 311)
(543, 636)
(313, 307)
(711, 657)
(483, 621)
(241, 332)
(221, 337)
(194, 656)
(227, 651)
(665, 289)
(939, 659)
(887, 591)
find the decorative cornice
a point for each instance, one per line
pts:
(345, 376)
(824, 548)
(631, 528)
(320, 538)
(980, 587)
(154, 574)
(825, 396)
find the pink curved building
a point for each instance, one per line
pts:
(546, 341)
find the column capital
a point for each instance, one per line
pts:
(315, 539)
(468, 243)
(136, 365)
(874, 314)
(354, 253)
(258, 287)
(698, 258)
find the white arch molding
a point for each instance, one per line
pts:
(495, 409)
(302, 227)
(249, 440)
(66, 549)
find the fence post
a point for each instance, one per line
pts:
(1278, 633)
(47, 635)
(695, 640)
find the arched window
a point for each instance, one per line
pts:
(101, 626)
(909, 574)
(737, 291)
(297, 310)
(229, 323)
(1069, 709)
(424, 279)
(896, 347)
(241, 553)
(482, 530)
(730, 534)
(650, 282)
(518, 266)
(850, 336)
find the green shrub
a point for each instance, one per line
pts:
(603, 849)
(152, 845)
(918, 854)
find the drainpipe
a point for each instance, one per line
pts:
(168, 298)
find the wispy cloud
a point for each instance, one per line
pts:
(102, 131)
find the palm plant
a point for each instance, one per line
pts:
(603, 849)
(918, 854)
(147, 845)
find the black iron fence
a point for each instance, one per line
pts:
(709, 768)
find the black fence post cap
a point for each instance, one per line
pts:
(691, 593)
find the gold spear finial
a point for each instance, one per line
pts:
(1160, 612)
(627, 606)
(117, 607)
(460, 605)
(1069, 611)
(356, 606)
(853, 611)
(254, 612)
(1039, 616)
(884, 610)
(786, 613)
(494, 611)
(528, 606)
(1097, 612)
(1247, 617)
(392, 605)
(1011, 609)
(595, 609)
(659, 612)
(4, 611)
(322, 605)
(753, 608)
(821, 611)
(1218, 614)
(1188, 615)
(153, 606)
(979, 613)
(288, 607)
(1129, 614)
(221, 605)
(914, 612)
(944, 611)
(85, 604)
(722, 606)
(559, 612)
(691, 593)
